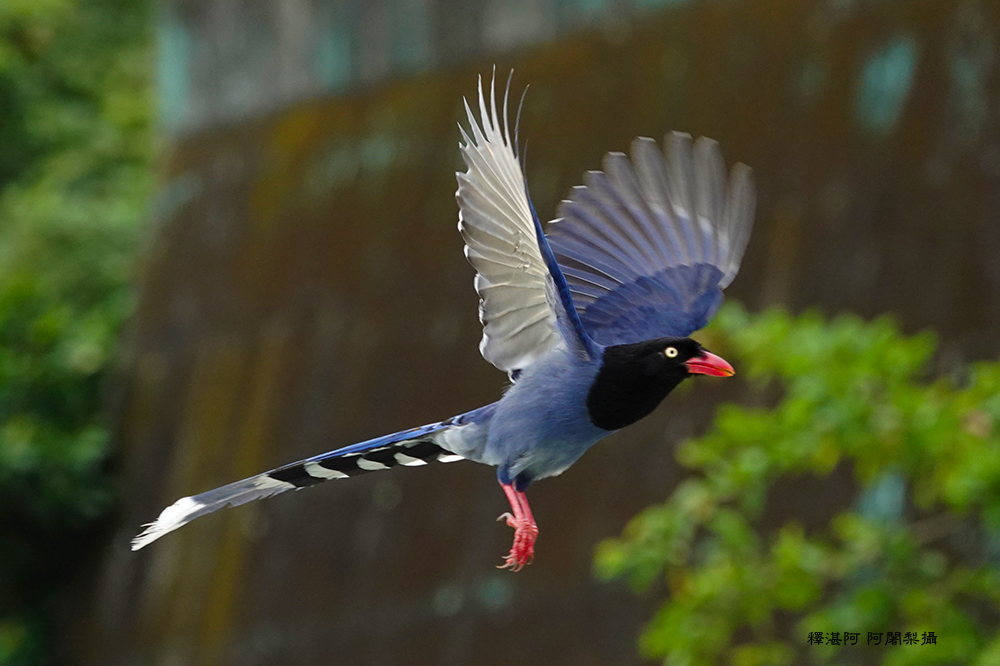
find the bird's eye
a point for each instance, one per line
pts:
(671, 352)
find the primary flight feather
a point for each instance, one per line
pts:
(590, 320)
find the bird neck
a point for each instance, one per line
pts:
(626, 389)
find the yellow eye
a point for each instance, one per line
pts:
(671, 352)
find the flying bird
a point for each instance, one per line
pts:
(590, 320)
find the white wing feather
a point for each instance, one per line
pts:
(519, 323)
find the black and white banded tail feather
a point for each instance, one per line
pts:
(436, 442)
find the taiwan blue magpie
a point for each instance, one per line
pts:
(590, 320)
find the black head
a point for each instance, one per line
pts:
(635, 378)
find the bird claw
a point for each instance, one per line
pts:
(522, 552)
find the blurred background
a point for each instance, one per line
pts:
(228, 241)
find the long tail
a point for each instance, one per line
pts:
(437, 442)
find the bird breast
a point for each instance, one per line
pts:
(541, 424)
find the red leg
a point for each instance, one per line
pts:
(525, 530)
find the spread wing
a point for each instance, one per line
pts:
(647, 246)
(524, 302)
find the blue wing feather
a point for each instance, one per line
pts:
(576, 335)
(646, 253)
(656, 306)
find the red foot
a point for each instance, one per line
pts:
(525, 531)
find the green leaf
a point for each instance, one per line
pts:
(916, 548)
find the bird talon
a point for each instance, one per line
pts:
(522, 552)
(514, 563)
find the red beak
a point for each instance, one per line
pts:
(710, 364)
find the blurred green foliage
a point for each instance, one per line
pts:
(911, 546)
(75, 177)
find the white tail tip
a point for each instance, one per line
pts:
(177, 514)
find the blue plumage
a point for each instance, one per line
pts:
(590, 320)
(541, 425)
(676, 301)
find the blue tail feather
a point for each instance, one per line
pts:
(408, 448)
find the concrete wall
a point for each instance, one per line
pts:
(229, 60)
